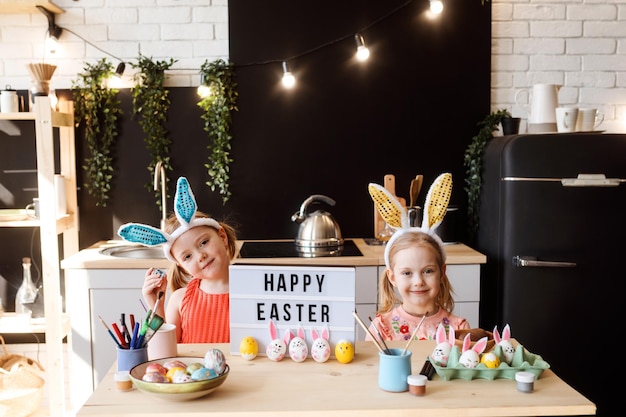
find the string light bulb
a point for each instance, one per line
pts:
(203, 89)
(436, 6)
(288, 79)
(362, 53)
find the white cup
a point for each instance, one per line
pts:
(589, 119)
(163, 344)
(32, 209)
(566, 119)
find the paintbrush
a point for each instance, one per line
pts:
(154, 325)
(368, 331)
(159, 296)
(414, 333)
(380, 336)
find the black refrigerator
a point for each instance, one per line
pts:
(552, 223)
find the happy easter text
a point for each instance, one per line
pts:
(299, 311)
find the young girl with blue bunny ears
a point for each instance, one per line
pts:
(414, 285)
(201, 249)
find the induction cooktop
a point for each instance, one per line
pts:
(288, 249)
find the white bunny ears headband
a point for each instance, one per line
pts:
(185, 208)
(397, 217)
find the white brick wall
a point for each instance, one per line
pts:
(578, 44)
(190, 31)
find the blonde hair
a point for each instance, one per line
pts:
(389, 298)
(178, 277)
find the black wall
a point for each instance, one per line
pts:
(411, 109)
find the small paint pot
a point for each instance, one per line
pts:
(417, 384)
(122, 381)
(525, 381)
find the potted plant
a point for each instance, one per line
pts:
(473, 163)
(97, 108)
(218, 104)
(151, 103)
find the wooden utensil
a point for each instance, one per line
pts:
(419, 179)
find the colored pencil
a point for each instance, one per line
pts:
(110, 332)
(119, 334)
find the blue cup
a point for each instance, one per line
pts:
(127, 359)
(393, 370)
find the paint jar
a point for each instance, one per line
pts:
(123, 381)
(525, 381)
(417, 384)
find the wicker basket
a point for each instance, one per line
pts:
(21, 385)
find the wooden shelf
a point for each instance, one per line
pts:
(56, 325)
(27, 6)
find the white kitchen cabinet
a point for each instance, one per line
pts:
(98, 293)
(366, 296)
(51, 227)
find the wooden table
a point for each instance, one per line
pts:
(264, 388)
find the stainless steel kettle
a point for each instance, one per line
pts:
(318, 229)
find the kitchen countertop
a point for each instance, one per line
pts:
(261, 387)
(90, 258)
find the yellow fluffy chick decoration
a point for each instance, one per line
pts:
(344, 351)
(248, 348)
(490, 360)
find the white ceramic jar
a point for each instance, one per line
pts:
(9, 102)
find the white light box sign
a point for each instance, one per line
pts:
(312, 297)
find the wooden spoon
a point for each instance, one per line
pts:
(416, 186)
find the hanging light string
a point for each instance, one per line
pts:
(332, 42)
(287, 75)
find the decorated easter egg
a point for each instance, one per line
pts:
(248, 348)
(193, 366)
(203, 374)
(344, 351)
(215, 359)
(181, 376)
(171, 371)
(156, 367)
(155, 377)
(174, 363)
(490, 360)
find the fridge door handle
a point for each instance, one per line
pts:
(524, 261)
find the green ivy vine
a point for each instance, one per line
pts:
(151, 103)
(473, 163)
(218, 105)
(97, 107)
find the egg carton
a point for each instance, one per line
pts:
(523, 360)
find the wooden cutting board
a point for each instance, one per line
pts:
(389, 182)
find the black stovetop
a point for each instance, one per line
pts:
(288, 249)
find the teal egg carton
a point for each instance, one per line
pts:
(523, 360)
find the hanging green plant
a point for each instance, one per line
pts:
(151, 103)
(218, 104)
(97, 107)
(473, 162)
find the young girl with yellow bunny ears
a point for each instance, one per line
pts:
(415, 283)
(201, 248)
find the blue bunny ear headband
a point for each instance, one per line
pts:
(396, 215)
(185, 208)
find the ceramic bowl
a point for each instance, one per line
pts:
(176, 391)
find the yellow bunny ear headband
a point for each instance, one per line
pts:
(397, 217)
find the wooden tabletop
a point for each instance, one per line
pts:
(261, 387)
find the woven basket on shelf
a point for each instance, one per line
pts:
(21, 384)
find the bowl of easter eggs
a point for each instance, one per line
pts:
(181, 378)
